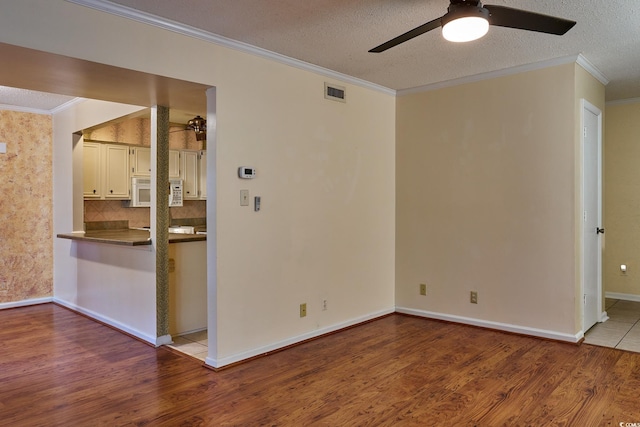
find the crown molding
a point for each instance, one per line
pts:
(20, 109)
(623, 102)
(491, 75)
(591, 69)
(186, 30)
(59, 108)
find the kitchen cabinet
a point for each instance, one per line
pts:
(174, 164)
(187, 287)
(202, 174)
(193, 168)
(140, 161)
(105, 171)
(117, 178)
(189, 176)
(91, 171)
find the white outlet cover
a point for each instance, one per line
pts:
(3, 147)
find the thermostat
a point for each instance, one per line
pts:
(246, 172)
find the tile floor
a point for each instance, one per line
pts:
(195, 344)
(622, 330)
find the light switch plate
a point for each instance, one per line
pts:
(244, 197)
(3, 147)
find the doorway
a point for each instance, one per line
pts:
(593, 230)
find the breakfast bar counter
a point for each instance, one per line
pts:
(128, 237)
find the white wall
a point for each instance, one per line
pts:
(325, 174)
(114, 284)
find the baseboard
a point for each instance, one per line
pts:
(156, 341)
(522, 330)
(25, 303)
(625, 297)
(239, 357)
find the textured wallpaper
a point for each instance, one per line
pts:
(138, 132)
(112, 210)
(26, 208)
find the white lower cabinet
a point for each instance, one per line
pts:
(187, 287)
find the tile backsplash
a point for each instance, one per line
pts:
(112, 210)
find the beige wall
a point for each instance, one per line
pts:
(325, 174)
(26, 253)
(486, 200)
(622, 199)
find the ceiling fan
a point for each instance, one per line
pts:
(468, 20)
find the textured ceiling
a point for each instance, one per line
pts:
(336, 34)
(31, 99)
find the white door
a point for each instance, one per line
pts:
(592, 214)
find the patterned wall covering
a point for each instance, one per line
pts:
(112, 210)
(138, 132)
(26, 207)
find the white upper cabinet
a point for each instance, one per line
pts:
(140, 161)
(117, 178)
(190, 174)
(105, 171)
(202, 178)
(91, 172)
(174, 164)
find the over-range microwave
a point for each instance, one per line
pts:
(141, 192)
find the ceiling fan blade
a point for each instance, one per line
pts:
(431, 25)
(502, 16)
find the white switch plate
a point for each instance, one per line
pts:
(3, 147)
(244, 197)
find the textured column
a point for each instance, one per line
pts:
(162, 219)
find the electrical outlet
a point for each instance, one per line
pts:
(4, 288)
(303, 309)
(423, 289)
(324, 305)
(474, 297)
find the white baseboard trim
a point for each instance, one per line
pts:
(25, 303)
(219, 363)
(604, 317)
(625, 297)
(523, 330)
(111, 322)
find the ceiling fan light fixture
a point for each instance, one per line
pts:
(465, 24)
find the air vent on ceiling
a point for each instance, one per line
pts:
(335, 92)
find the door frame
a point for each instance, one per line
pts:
(601, 315)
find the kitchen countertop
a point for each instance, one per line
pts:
(127, 237)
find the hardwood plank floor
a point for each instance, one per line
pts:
(61, 369)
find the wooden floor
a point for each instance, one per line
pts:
(60, 369)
